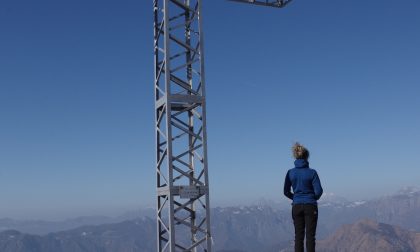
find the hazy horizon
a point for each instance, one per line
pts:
(114, 212)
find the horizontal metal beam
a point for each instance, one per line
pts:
(276, 4)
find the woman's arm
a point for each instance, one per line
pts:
(287, 186)
(316, 183)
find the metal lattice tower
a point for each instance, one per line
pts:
(183, 210)
(183, 214)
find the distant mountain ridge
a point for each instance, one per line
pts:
(40, 227)
(247, 228)
(139, 236)
(367, 236)
(399, 209)
(127, 236)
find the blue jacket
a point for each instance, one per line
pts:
(306, 185)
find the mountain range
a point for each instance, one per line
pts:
(127, 236)
(41, 227)
(367, 236)
(138, 236)
(389, 223)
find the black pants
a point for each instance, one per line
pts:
(305, 216)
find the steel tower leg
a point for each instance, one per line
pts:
(183, 212)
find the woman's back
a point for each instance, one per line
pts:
(305, 183)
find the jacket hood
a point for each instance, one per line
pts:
(301, 163)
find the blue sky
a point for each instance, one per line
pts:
(76, 101)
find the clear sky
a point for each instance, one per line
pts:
(77, 104)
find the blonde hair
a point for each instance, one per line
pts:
(300, 152)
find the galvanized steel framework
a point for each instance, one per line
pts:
(183, 212)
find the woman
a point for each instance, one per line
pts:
(306, 191)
